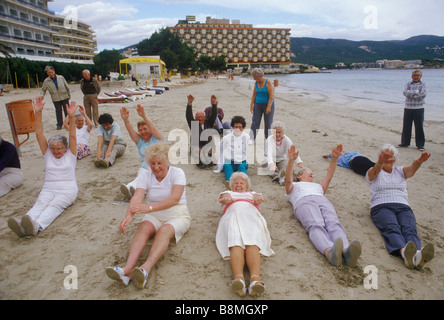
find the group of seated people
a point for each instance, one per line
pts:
(242, 235)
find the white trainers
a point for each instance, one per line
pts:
(125, 191)
(408, 253)
(117, 274)
(31, 227)
(423, 256)
(15, 225)
(140, 277)
(282, 176)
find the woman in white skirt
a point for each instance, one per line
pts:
(60, 187)
(242, 235)
(165, 217)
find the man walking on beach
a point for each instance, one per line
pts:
(59, 90)
(90, 87)
(415, 92)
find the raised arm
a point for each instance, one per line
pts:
(72, 141)
(335, 154)
(411, 170)
(88, 121)
(124, 113)
(41, 139)
(384, 157)
(151, 126)
(292, 156)
(189, 112)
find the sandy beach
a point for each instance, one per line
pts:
(86, 235)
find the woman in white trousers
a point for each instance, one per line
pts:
(60, 187)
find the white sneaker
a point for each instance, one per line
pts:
(408, 253)
(125, 191)
(140, 277)
(423, 256)
(31, 227)
(15, 225)
(282, 176)
(117, 274)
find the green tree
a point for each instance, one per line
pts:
(107, 61)
(174, 52)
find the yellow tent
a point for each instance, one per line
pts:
(145, 67)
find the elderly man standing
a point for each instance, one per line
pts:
(91, 88)
(415, 92)
(59, 90)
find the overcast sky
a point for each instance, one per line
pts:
(120, 23)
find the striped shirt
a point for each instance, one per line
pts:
(415, 93)
(388, 187)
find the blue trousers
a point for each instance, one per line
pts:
(415, 116)
(397, 225)
(259, 109)
(231, 167)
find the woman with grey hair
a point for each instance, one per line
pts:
(82, 132)
(278, 145)
(317, 214)
(242, 235)
(60, 94)
(390, 209)
(262, 102)
(60, 187)
(166, 215)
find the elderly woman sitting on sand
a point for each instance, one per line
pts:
(82, 132)
(316, 213)
(242, 234)
(166, 215)
(278, 145)
(390, 209)
(60, 187)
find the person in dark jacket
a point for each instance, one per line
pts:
(198, 124)
(11, 175)
(90, 87)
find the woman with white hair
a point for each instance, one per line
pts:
(166, 215)
(317, 214)
(242, 235)
(82, 132)
(390, 210)
(60, 187)
(278, 145)
(262, 102)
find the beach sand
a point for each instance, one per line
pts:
(85, 237)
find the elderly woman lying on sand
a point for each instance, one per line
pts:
(242, 234)
(317, 214)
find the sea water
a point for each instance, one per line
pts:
(382, 89)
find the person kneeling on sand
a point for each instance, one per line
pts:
(242, 235)
(146, 135)
(110, 144)
(166, 215)
(60, 187)
(390, 210)
(317, 214)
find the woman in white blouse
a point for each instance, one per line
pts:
(317, 214)
(60, 187)
(166, 215)
(390, 210)
(278, 145)
(242, 235)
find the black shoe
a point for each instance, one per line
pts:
(403, 145)
(421, 149)
(59, 128)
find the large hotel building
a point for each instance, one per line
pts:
(241, 44)
(36, 33)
